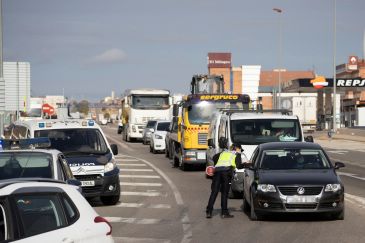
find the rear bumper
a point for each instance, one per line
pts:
(159, 144)
(194, 157)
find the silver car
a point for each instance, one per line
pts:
(147, 131)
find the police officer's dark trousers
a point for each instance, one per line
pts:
(221, 180)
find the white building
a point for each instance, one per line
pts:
(17, 86)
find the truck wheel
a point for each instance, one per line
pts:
(183, 166)
(175, 159)
(170, 152)
(128, 138)
(166, 151)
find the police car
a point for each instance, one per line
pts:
(86, 149)
(32, 210)
(32, 158)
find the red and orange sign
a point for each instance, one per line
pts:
(319, 82)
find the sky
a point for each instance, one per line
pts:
(87, 48)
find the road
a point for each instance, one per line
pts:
(164, 204)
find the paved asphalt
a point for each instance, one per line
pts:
(164, 204)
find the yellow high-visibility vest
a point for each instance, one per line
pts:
(226, 159)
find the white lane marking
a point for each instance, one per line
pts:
(145, 194)
(137, 170)
(142, 205)
(358, 201)
(132, 220)
(337, 151)
(139, 184)
(188, 233)
(139, 176)
(351, 175)
(132, 165)
(139, 240)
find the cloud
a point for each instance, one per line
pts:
(109, 56)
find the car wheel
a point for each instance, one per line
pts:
(128, 138)
(111, 200)
(144, 141)
(166, 152)
(183, 166)
(150, 149)
(154, 150)
(245, 205)
(253, 215)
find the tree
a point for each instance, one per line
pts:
(83, 107)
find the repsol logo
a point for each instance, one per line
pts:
(219, 97)
(350, 83)
(81, 164)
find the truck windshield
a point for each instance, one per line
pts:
(25, 164)
(75, 141)
(257, 131)
(202, 112)
(150, 102)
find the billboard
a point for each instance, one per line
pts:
(219, 60)
(352, 63)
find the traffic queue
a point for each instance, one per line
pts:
(282, 171)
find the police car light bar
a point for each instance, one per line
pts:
(30, 143)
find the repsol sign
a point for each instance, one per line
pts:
(219, 97)
(350, 83)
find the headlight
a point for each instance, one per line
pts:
(134, 128)
(158, 136)
(109, 167)
(266, 188)
(332, 187)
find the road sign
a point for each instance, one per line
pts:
(48, 109)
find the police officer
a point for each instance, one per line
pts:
(225, 162)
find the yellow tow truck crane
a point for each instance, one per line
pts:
(187, 143)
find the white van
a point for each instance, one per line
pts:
(249, 129)
(86, 149)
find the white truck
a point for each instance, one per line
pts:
(141, 105)
(35, 110)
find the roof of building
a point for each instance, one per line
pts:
(271, 78)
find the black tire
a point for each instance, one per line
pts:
(253, 215)
(245, 205)
(234, 194)
(166, 151)
(174, 157)
(154, 150)
(111, 200)
(170, 152)
(150, 149)
(144, 142)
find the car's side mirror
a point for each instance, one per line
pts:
(339, 165)
(175, 110)
(309, 139)
(114, 148)
(211, 143)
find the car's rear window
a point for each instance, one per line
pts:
(25, 164)
(151, 124)
(294, 159)
(163, 126)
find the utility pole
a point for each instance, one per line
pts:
(334, 70)
(2, 81)
(279, 11)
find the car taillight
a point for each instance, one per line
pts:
(100, 219)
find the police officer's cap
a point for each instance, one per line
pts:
(235, 146)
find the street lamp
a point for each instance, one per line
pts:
(279, 11)
(334, 69)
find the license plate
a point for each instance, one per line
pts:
(200, 155)
(87, 183)
(301, 199)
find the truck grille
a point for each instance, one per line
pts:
(292, 190)
(202, 138)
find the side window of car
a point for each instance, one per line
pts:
(71, 211)
(39, 213)
(3, 225)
